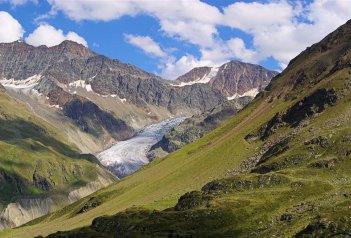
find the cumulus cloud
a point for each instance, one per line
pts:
(281, 29)
(172, 68)
(50, 36)
(10, 29)
(148, 45)
(176, 18)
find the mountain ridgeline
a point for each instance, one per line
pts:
(74, 88)
(279, 168)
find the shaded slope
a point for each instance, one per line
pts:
(38, 168)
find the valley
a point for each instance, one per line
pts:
(175, 119)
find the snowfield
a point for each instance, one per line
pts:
(127, 156)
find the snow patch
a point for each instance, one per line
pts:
(205, 79)
(123, 100)
(21, 84)
(56, 106)
(251, 93)
(81, 84)
(88, 88)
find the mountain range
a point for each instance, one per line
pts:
(278, 168)
(96, 101)
(62, 104)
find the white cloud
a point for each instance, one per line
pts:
(148, 45)
(238, 49)
(18, 2)
(10, 29)
(172, 68)
(50, 36)
(176, 18)
(104, 10)
(277, 29)
(220, 53)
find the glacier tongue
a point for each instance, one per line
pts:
(127, 156)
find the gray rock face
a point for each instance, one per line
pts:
(237, 78)
(194, 74)
(70, 62)
(197, 126)
(231, 78)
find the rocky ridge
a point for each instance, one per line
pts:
(232, 79)
(196, 127)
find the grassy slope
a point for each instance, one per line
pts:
(29, 146)
(159, 185)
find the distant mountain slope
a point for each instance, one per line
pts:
(232, 79)
(56, 80)
(279, 168)
(39, 171)
(70, 75)
(197, 126)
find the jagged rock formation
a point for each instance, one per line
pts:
(232, 79)
(50, 80)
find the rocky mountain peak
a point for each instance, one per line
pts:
(194, 74)
(232, 79)
(74, 48)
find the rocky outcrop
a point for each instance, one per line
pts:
(197, 126)
(309, 106)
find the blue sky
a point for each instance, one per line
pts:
(169, 37)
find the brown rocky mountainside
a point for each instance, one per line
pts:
(232, 79)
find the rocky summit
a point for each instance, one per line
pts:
(233, 79)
